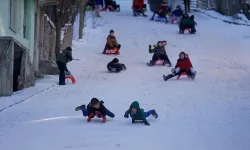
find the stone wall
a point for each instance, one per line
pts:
(47, 55)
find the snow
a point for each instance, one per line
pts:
(238, 18)
(211, 112)
(48, 20)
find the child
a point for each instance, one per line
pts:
(111, 42)
(163, 10)
(177, 13)
(115, 66)
(95, 106)
(159, 53)
(136, 113)
(139, 7)
(183, 65)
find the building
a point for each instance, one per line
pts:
(19, 43)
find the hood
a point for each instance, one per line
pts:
(135, 105)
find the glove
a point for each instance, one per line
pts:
(126, 116)
(150, 46)
(147, 124)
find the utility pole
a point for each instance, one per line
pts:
(81, 23)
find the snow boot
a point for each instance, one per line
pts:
(154, 113)
(79, 107)
(167, 77)
(193, 75)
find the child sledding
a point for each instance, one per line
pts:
(95, 109)
(139, 8)
(115, 66)
(187, 23)
(176, 15)
(182, 67)
(162, 12)
(112, 47)
(160, 54)
(138, 114)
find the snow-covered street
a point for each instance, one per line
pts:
(210, 113)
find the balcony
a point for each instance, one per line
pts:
(47, 2)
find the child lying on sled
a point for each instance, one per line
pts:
(137, 113)
(93, 107)
(183, 65)
(115, 66)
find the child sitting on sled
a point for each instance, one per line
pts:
(139, 8)
(111, 42)
(115, 66)
(159, 53)
(137, 113)
(183, 65)
(95, 108)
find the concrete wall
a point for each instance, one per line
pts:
(18, 35)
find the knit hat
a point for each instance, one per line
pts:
(115, 60)
(94, 101)
(111, 31)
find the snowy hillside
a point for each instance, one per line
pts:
(210, 113)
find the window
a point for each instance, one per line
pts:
(13, 15)
(25, 33)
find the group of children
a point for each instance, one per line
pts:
(159, 53)
(96, 108)
(98, 5)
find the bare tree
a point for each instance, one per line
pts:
(63, 13)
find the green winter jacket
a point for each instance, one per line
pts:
(158, 50)
(139, 112)
(65, 56)
(187, 21)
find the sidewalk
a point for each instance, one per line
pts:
(20, 96)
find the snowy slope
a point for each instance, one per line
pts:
(212, 112)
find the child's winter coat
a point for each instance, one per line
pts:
(91, 109)
(139, 112)
(184, 64)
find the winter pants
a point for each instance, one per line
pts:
(62, 67)
(177, 70)
(148, 113)
(187, 5)
(163, 57)
(108, 113)
(139, 10)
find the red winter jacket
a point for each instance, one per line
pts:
(184, 64)
(137, 2)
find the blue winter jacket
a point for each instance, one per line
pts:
(177, 13)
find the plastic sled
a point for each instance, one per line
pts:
(99, 115)
(158, 60)
(160, 19)
(113, 51)
(134, 120)
(71, 77)
(182, 74)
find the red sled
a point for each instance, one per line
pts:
(113, 51)
(72, 78)
(188, 29)
(182, 74)
(160, 60)
(98, 113)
